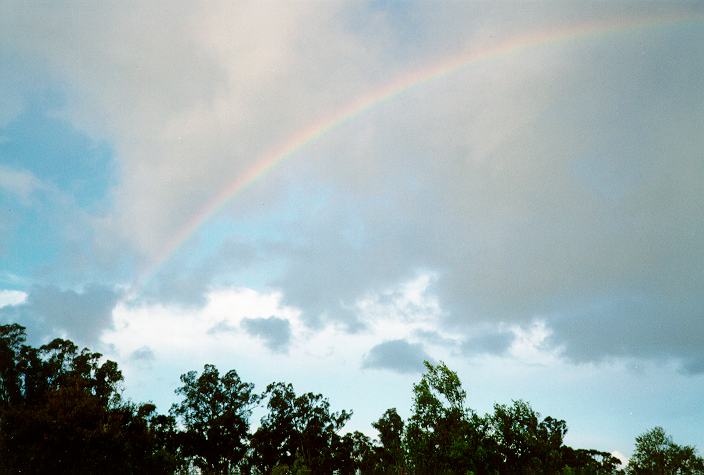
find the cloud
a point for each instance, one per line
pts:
(49, 312)
(538, 184)
(143, 353)
(434, 338)
(396, 355)
(20, 183)
(275, 332)
(222, 327)
(197, 331)
(647, 326)
(12, 297)
(693, 365)
(528, 205)
(186, 283)
(493, 342)
(222, 84)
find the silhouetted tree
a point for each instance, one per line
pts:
(589, 462)
(354, 452)
(61, 411)
(298, 430)
(12, 338)
(656, 454)
(442, 435)
(525, 443)
(390, 455)
(215, 413)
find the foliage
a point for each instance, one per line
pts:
(524, 441)
(61, 411)
(12, 338)
(298, 428)
(390, 454)
(656, 453)
(591, 462)
(215, 412)
(442, 436)
(354, 451)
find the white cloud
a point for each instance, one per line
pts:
(12, 297)
(531, 344)
(215, 332)
(188, 330)
(20, 183)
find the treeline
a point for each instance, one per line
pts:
(61, 411)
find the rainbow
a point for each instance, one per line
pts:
(387, 92)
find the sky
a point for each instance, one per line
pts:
(328, 193)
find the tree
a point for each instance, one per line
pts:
(62, 410)
(656, 454)
(390, 454)
(215, 412)
(65, 412)
(354, 453)
(442, 435)
(298, 431)
(524, 442)
(591, 462)
(12, 338)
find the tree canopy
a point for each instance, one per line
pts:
(215, 413)
(298, 429)
(656, 453)
(62, 411)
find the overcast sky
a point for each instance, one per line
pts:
(533, 217)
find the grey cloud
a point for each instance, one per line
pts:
(434, 338)
(144, 354)
(693, 366)
(275, 332)
(529, 197)
(186, 284)
(645, 327)
(50, 312)
(493, 342)
(396, 355)
(487, 340)
(328, 258)
(222, 327)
